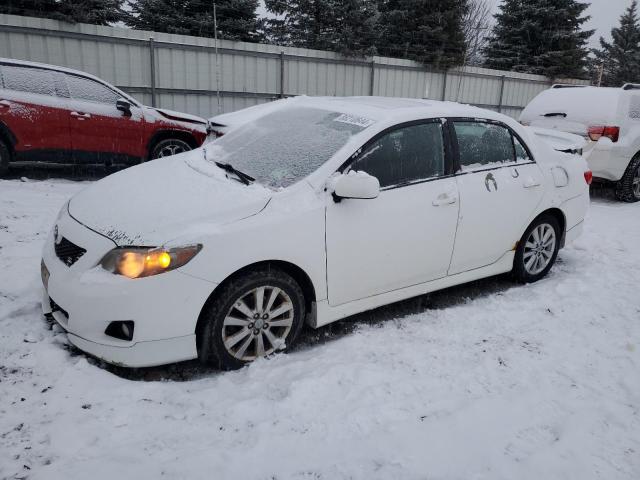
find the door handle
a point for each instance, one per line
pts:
(4, 104)
(530, 183)
(80, 115)
(445, 199)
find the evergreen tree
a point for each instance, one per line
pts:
(347, 26)
(99, 12)
(237, 19)
(540, 36)
(357, 27)
(427, 31)
(620, 59)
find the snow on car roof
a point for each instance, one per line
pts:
(383, 108)
(373, 108)
(25, 63)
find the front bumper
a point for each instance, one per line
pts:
(84, 300)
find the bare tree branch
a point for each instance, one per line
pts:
(476, 25)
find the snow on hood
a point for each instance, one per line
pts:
(153, 203)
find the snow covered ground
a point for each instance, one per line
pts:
(488, 381)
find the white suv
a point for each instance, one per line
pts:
(608, 117)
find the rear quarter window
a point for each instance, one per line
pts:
(634, 107)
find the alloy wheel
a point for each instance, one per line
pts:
(258, 323)
(172, 147)
(539, 248)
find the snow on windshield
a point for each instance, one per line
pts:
(285, 146)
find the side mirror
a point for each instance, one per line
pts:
(124, 106)
(355, 185)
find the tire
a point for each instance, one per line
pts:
(168, 147)
(5, 156)
(230, 339)
(628, 188)
(533, 245)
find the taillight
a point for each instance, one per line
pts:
(588, 177)
(598, 131)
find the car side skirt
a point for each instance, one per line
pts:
(327, 314)
(73, 157)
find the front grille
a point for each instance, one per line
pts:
(68, 252)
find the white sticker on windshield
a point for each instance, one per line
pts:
(353, 120)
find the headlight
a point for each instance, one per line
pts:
(137, 262)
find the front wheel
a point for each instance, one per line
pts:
(253, 316)
(537, 250)
(628, 188)
(168, 147)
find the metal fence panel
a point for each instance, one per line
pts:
(178, 72)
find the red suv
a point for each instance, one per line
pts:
(54, 114)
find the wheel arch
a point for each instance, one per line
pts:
(166, 134)
(560, 217)
(297, 273)
(7, 137)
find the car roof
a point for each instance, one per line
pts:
(25, 63)
(370, 107)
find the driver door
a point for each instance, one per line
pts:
(403, 237)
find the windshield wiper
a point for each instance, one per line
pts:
(556, 114)
(244, 178)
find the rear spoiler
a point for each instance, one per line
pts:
(567, 85)
(560, 141)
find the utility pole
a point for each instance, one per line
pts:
(215, 37)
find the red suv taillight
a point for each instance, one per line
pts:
(598, 131)
(588, 177)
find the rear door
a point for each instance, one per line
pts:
(34, 112)
(500, 187)
(99, 131)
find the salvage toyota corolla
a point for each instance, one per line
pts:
(313, 212)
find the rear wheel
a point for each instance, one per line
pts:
(168, 147)
(5, 155)
(253, 316)
(537, 250)
(628, 188)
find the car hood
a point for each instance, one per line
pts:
(154, 203)
(169, 116)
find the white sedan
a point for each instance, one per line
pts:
(316, 211)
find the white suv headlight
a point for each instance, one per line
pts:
(138, 262)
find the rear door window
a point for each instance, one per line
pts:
(28, 80)
(483, 144)
(81, 88)
(404, 155)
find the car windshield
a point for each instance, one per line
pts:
(285, 146)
